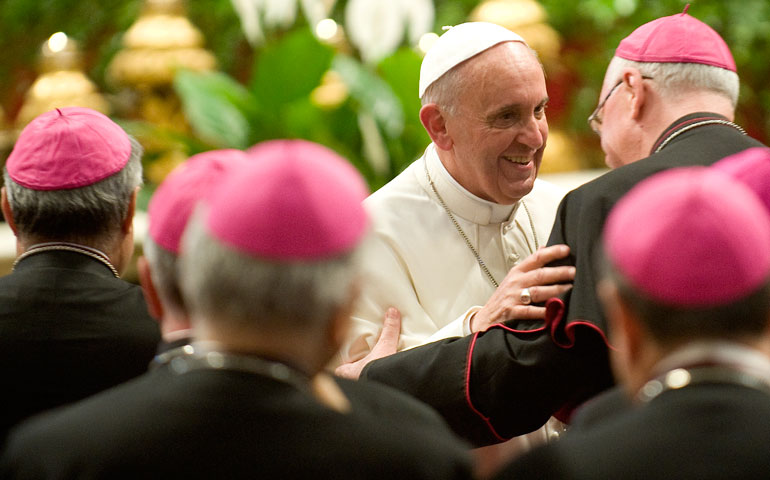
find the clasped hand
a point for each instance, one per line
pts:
(540, 282)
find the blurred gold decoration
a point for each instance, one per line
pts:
(61, 83)
(163, 165)
(525, 17)
(164, 109)
(161, 41)
(6, 135)
(560, 155)
(331, 92)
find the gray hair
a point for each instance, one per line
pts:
(675, 79)
(90, 215)
(669, 325)
(446, 89)
(164, 273)
(234, 289)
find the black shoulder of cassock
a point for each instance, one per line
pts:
(582, 213)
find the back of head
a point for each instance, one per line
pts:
(273, 247)
(70, 177)
(682, 54)
(688, 250)
(170, 208)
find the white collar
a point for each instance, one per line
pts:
(725, 353)
(459, 200)
(709, 362)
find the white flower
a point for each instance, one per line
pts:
(258, 14)
(248, 12)
(377, 27)
(316, 10)
(279, 13)
(420, 15)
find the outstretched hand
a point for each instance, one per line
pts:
(540, 282)
(386, 345)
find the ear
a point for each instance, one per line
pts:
(434, 121)
(7, 212)
(764, 338)
(633, 80)
(128, 222)
(154, 305)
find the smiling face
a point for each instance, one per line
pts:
(498, 128)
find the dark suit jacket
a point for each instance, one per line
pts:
(705, 431)
(68, 329)
(508, 380)
(229, 424)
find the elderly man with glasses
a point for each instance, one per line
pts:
(668, 100)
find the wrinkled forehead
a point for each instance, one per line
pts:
(506, 55)
(508, 72)
(511, 62)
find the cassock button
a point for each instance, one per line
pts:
(553, 436)
(513, 257)
(508, 228)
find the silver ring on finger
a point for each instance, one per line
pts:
(525, 297)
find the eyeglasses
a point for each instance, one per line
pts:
(595, 119)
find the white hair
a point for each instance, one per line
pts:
(226, 286)
(91, 214)
(445, 89)
(676, 79)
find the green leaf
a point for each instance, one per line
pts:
(215, 106)
(402, 72)
(373, 94)
(302, 119)
(289, 69)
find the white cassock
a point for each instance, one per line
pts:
(417, 261)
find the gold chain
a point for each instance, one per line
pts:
(465, 237)
(695, 125)
(66, 248)
(195, 358)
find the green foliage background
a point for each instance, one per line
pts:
(257, 94)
